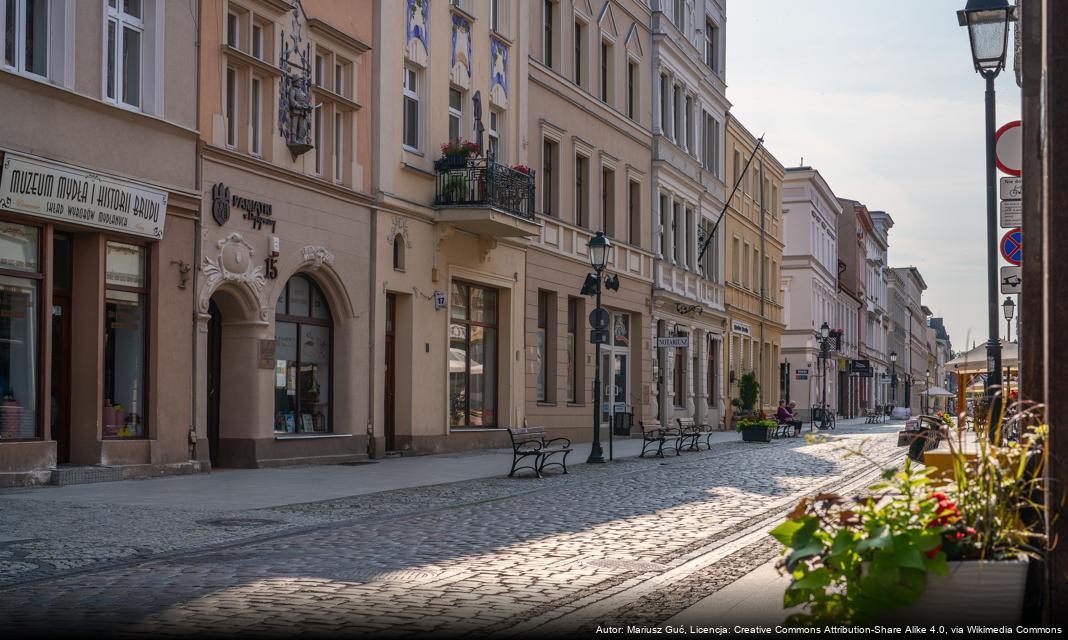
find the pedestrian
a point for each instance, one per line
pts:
(785, 416)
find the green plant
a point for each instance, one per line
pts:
(456, 187)
(746, 423)
(748, 390)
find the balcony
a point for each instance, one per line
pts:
(688, 285)
(484, 197)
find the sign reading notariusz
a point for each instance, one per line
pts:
(68, 194)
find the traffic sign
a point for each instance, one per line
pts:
(1011, 213)
(1011, 188)
(1012, 246)
(1008, 148)
(600, 318)
(1011, 280)
(598, 336)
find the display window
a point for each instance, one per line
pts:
(472, 356)
(125, 341)
(20, 280)
(303, 359)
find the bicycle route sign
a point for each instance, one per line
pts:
(1012, 246)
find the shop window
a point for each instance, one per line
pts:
(573, 324)
(472, 356)
(125, 341)
(303, 373)
(20, 276)
(621, 329)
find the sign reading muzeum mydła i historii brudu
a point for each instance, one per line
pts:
(68, 194)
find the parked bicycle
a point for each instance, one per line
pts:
(822, 418)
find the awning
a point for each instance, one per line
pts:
(974, 361)
(939, 392)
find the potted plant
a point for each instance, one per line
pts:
(916, 552)
(454, 154)
(748, 390)
(455, 189)
(756, 429)
(522, 168)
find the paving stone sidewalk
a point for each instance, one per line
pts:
(479, 556)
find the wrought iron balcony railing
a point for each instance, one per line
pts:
(483, 182)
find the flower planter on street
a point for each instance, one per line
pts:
(973, 592)
(756, 434)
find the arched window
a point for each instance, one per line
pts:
(398, 252)
(303, 373)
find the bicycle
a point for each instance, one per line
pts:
(822, 418)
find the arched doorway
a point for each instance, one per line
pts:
(304, 344)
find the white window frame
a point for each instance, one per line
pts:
(412, 93)
(20, 41)
(495, 15)
(115, 15)
(256, 41)
(711, 45)
(494, 132)
(456, 113)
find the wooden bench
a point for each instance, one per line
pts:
(873, 416)
(931, 431)
(530, 442)
(693, 432)
(663, 438)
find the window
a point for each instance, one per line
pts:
(257, 41)
(339, 78)
(680, 374)
(411, 108)
(735, 260)
(543, 346)
(581, 195)
(689, 126)
(634, 212)
(339, 146)
(256, 116)
(548, 193)
(124, 32)
(495, 15)
(606, 70)
(232, 30)
(320, 70)
(547, 43)
(710, 153)
(710, 373)
(632, 90)
(495, 133)
(398, 252)
(26, 35)
(677, 111)
(20, 277)
(711, 44)
(317, 132)
(125, 341)
(472, 356)
(456, 114)
(737, 167)
(678, 14)
(676, 230)
(664, 225)
(574, 313)
(303, 373)
(687, 250)
(231, 107)
(608, 202)
(745, 266)
(663, 104)
(580, 42)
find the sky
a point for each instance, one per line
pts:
(882, 99)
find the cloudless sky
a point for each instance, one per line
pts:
(881, 98)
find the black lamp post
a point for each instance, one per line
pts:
(988, 32)
(893, 378)
(1009, 307)
(927, 392)
(600, 247)
(825, 352)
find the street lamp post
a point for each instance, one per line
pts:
(988, 32)
(927, 392)
(600, 248)
(893, 378)
(825, 352)
(1009, 307)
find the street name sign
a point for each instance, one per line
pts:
(673, 341)
(801, 374)
(1011, 213)
(1011, 188)
(1011, 280)
(1008, 148)
(1012, 246)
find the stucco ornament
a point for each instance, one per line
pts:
(317, 256)
(399, 227)
(232, 263)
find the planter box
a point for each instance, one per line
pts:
(756, 434)
(973, 592)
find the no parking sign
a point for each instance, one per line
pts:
(1012, 246)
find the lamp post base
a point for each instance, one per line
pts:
(596, 455)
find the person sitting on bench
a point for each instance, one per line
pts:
(784, 416)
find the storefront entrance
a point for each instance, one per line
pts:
(615, 363)
(61, 325)
(391, 375)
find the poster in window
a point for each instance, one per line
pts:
(621, 329)
(291, 422)
(307, 423)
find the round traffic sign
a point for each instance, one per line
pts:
(1008, 148)
(600, 319)
(1012, 246)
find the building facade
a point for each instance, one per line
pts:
(851, 296)
(283, 282)
(98, 235)
(753, 235)
(809, 274)
(909, 335)
(451, 226)
(876, 321)
(588, 127)
(689, 115)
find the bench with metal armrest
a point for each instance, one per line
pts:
(530, 442)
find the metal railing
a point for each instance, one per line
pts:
(483, 182)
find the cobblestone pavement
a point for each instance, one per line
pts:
(637, 540)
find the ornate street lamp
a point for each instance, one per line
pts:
(1009, 308)
(988, 32)
(825, 353)
(600, 250)
(927, 391)
(893, 377)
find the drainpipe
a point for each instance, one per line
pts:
(196, 241)
(763, 277)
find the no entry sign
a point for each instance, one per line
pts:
(1008, 148)
(1012, 246)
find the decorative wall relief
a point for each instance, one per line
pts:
(232, 263)
(461, 51)
(294, 95)
(417, 40)
(317, 256)
(499, 73)
(399, 227)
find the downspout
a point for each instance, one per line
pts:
(372, 292)
(763, 274)
(197, 231)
